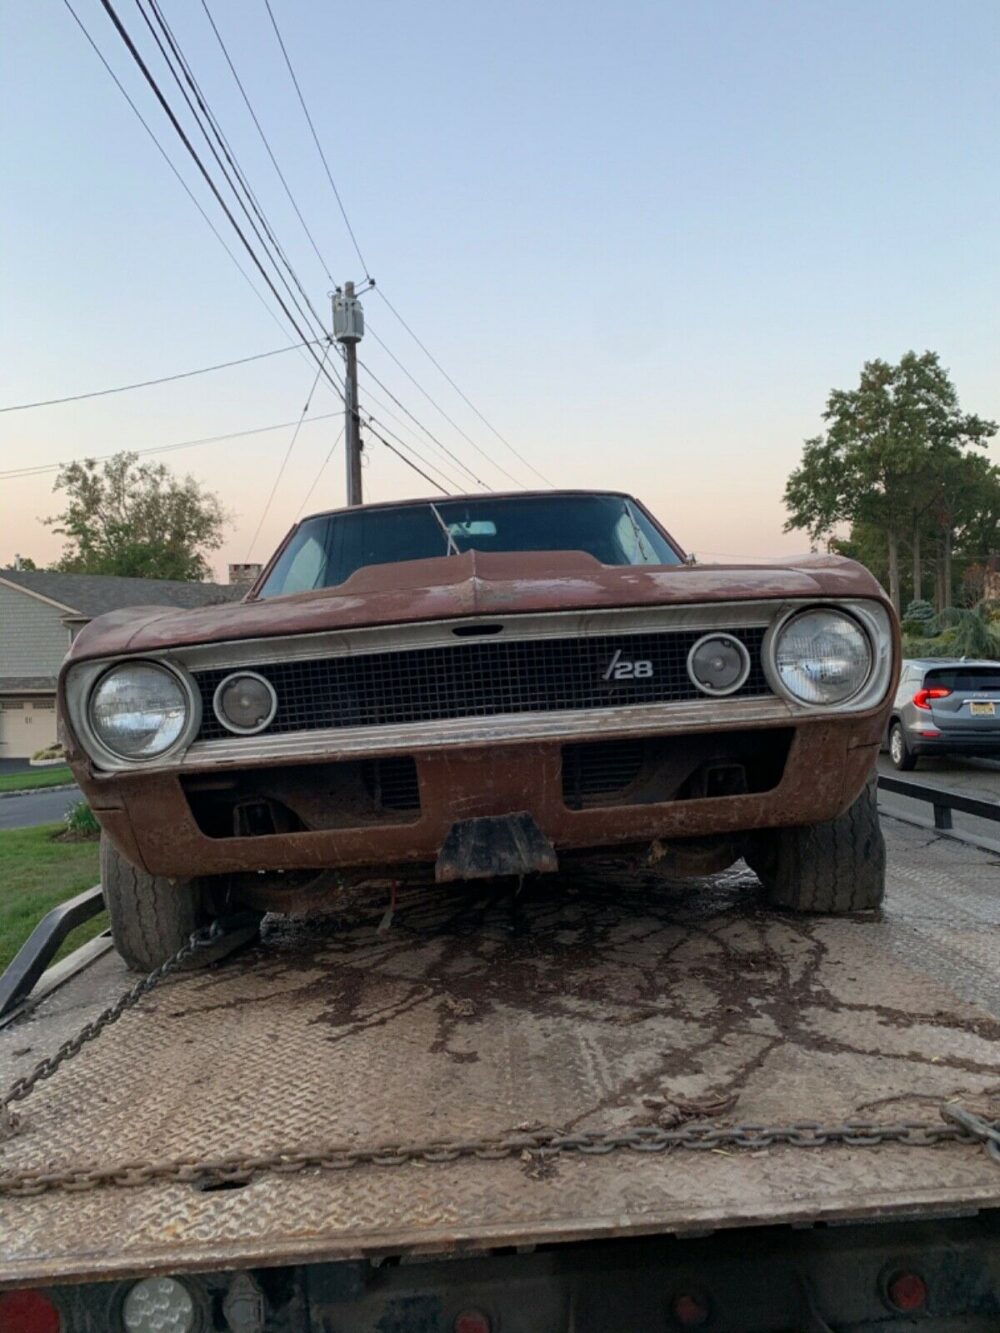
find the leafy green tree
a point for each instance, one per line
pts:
(887, 459)
(136, 519)
(974, 633)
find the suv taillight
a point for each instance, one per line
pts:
(921, 697)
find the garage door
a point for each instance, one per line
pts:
(26, 726)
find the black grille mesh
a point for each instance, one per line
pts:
(478, 679)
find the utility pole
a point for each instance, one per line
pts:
(349, 329)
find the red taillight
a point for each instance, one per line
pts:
(921, 697)
(28, 1312)
(907, 1292)
(472, 1321)
(690, 1311)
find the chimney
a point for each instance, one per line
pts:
(244, 576)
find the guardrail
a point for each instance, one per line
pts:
(26, 967)
(944, 802)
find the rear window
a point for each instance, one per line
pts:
(962, 679)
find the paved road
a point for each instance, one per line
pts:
(979, 778)
(36, 807)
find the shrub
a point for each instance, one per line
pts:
(51, 752)
(973, 632)
(80, 821)
(918, 618)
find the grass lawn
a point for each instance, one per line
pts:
(37, 874)
(35, 778)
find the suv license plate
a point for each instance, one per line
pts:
(983, 710)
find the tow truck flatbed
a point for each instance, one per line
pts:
(601, 1002)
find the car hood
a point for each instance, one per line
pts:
(471, 584)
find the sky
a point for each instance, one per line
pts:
(644, 239)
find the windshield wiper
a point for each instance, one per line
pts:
(641, 540)
(452, 546)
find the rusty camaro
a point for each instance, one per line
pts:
(483, 686)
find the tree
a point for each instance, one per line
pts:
(136, 519)
(21, 562)
(888, 459)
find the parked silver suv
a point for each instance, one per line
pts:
(945, 706)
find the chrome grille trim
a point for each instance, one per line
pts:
(489, 677)
(344, 743)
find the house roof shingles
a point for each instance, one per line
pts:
(90, 595)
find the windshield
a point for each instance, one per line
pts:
(325, 551)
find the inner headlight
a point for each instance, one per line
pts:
(138, 711)
(822, 656)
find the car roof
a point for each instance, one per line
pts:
(477, 496)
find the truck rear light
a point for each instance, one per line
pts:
(472, 1321)
(921, 697)
(159, 1305)
(28, 1312)
(907, 1292)
(690, 1311)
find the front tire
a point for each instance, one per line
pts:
(152, 917)
(835, 867)
(900, 753)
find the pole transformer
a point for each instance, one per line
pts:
(349, 329)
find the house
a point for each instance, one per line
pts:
(40, 614)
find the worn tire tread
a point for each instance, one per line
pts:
(152, 917)
(835, 867)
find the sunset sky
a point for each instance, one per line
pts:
(645, 239)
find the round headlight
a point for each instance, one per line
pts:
(245, 703)
(718, 664)
(159, 1303)
(822, 657)
(138, 711)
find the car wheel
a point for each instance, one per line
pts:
(152, 917)
(834, 867)
(900, 753)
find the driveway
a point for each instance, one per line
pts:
(36, 807)
(15, 766)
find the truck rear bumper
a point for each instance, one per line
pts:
(586, 794)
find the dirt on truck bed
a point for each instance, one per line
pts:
(601, 1001)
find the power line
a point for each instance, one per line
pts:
(469, 403)
(267, 240)
(371, 395)
(403, 408)
(322, 469)
(145, 384)
(373, 421)
(13, 474)
(42, 468)
(179, 130)
(315, 136)
(288, 454)
(229, 152)
(392, 449)
(454, 424)
(306, 342)
(264, 140)
(166, 157)
(364, 265)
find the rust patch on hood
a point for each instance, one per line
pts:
(474, 583)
